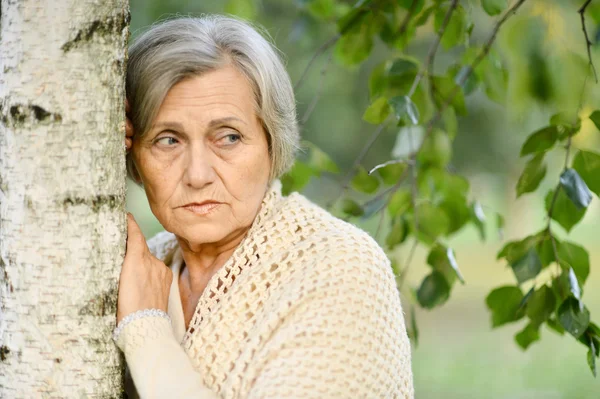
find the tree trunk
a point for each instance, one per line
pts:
(62, 195)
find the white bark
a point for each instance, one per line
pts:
(62, 195)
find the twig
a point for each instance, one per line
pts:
(484, 52)
(317, 95)
(357, 161)
(408, 17)
(431, 57)
(381, 217)
(383, 165)
(588, 42)
(413, 182)
(408, 262)
(323, 48)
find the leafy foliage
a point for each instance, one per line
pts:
(416, 197)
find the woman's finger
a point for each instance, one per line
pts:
(128, 128)
(136, 243)
(128, 143)
(127, 107)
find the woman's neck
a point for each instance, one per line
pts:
(204, 260)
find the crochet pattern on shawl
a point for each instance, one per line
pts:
(307, 306)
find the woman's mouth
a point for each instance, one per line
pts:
(203, 208)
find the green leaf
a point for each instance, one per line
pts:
(434, 290)
(515, 250)
(541, 305)
(378, 80)
(574, 319)
(564, 122)
(353, 17)
(564, 212)
(450, 122)
(504, 303)
(297, 178)
(442, 259)
(527, 267)
(587, 164)
(555, 325)
(404, 108)
(377, 112)
(446, 90)
(595, 117)
(351, 207)
(532, 175)
(457, 209)
(400, 202)
(402, 66)
(436, 182)
(591, 358)
(574, 284)
(364, 182)
(398, 233)
(500, 225)
(242, 8)
(436, 149)
(545, 249)
(526, 298)
(456, 29)
(413, 326)
(320, 161)
(408, 4)
(355, 46)
(528, 335)
(576, 257)
(478, 219)
(540, 141)
(563, 286)
(322, 9)
(575, 188)
(493, 7)
(392, 173)
(432, 222)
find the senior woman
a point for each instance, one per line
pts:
(247, 294)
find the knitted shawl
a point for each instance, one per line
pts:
(307, 306)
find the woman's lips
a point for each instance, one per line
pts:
(202, 209)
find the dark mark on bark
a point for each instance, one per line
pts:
(108, 27)
(101, 305)
(4, 352)
(97, 202)
(58, 360)
(18, 114)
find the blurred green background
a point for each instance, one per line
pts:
(458, 354)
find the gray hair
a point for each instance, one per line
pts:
(179, 48)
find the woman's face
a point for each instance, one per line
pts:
(206, 147)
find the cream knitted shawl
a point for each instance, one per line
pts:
(306, 306)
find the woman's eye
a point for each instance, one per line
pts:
(230, 139)
(167, 141)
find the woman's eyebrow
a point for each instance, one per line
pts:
(168, 125)
(221, 121)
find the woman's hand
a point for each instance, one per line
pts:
(145, 281)
(128, 127)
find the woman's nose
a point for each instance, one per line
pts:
(199, 169)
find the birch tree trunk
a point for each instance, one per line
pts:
(62, 195)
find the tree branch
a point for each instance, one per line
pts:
(588, 42)
(323, 48)
(428, 64)
(408, 17)
(317, 95)
(463, 78)
(357, 161)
